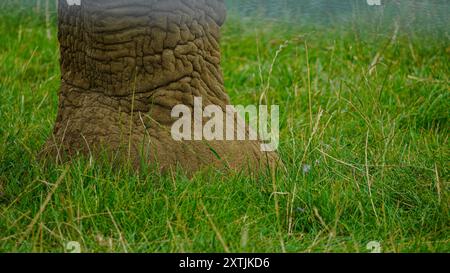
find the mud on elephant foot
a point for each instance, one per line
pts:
(165, 155)
(137, 138)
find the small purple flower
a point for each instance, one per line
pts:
(301, 210)
(306, 168)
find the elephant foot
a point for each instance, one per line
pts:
(125, 65)
(94, 125)
(161, 154)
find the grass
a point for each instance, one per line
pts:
(364, 138)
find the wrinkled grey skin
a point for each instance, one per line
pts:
(125, 65)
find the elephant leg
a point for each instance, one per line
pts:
(124, 65)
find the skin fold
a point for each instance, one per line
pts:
(124, 66)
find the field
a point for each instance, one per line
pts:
(364, 139)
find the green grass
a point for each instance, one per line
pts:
(377, 144)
